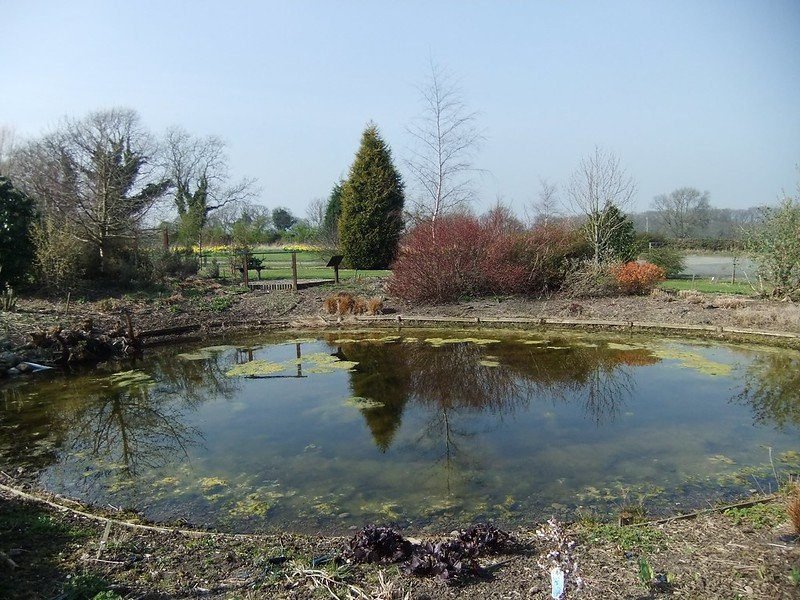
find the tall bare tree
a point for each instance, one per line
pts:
(315, 213)
(446, 139)
(97, 176)
(684, 211)
(598, 185)
(198, 168)
(7, 145)
(545, 208)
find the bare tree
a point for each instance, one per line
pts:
(445, 141)
(598, 185)
(97, 176)
(684, 211)
(545, 208)
(315, 213)
(7, 145)
(198, 168)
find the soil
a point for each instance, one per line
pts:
(51, 553)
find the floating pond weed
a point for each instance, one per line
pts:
(125, 379)
(256, 368)
(363, 403)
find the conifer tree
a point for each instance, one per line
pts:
(16, 246)
(372, 205)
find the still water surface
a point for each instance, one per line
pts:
(419, 429)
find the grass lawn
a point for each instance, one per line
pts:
(308, 272)
(708, 287)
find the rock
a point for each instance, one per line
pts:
(12, 372)
(9, 359)
(24, 367)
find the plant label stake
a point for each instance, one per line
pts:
(557, 583)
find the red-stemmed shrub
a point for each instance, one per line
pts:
(463, 256)
(637, 278)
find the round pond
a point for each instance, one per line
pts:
(421, 429)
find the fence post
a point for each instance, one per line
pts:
(294, 271)
(246, 265)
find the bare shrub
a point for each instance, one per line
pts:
(468, 257)
(781, 316)
(359, 306)
(691, 296)
(793, 508)
(331, 305)
(59, 259)
(730, 303)
(585, 279)
(343, 303)
(662, 295)
(374, 306)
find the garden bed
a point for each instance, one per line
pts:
(740, 554)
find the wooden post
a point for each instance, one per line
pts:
(165, 240)
(336, 272)
(246, 264)
(294, 271)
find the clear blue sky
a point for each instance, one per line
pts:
(687, 93)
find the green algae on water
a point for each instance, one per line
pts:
(204, 353)
(695, 361)
(363, 403)
(256, 368)
(125, 379)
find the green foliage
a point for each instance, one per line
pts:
(282, 218)
(372, 206)
(646, 572)
(16, 244)
(252, 227)
(192, 211)
(775, 245)
(59, 259)
(641, 539)
(220, 303)
(333, 210)
(86, 587)
(669, 259)
(621, 243)
(758, 516)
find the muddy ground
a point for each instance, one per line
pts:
(50, 553)
(214, 306)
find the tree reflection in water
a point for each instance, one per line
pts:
(453, 384)
(772, 389)
(123, 429)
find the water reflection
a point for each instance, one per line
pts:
(772, 389)
(464, 378)
(120, 427)
(453, 421)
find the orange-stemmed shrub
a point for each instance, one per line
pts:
(638, 278)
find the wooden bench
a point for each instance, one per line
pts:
(253, 264)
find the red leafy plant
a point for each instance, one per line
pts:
(636, 278)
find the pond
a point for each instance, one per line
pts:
(421, 429)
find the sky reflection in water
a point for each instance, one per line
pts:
(428, 429)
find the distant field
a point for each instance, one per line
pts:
(709, 287)
(278, 265)
(304, 272)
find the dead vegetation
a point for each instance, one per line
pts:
(344, 303)
(793, 508)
